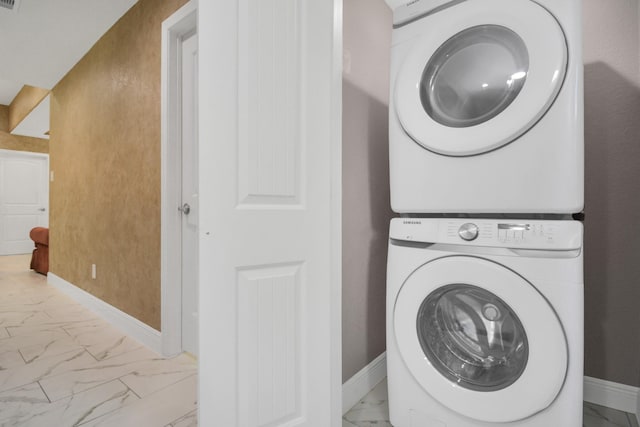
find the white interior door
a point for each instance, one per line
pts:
(24, 199)
(189, 194)
(270, 236)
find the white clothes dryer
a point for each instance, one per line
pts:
(485, 323)
(486, 107)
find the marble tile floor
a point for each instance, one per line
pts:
(373, 411)
(63, 366)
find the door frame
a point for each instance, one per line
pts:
(336, 214)
(181, 23)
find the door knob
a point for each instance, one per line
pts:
(185, 209)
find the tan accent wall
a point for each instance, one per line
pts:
(24, 102)
(18, 142)
(105, 153)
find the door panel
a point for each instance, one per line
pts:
(268, 290)
(24, 200)
(269, 344)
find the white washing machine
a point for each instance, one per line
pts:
(485, 323)
(486, 107)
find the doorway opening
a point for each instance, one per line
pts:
(179, 217)
(24, 199)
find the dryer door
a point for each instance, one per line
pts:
(480, 75)
(479, 338)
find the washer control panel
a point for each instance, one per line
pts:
(517, 234)
(468, 231)
(508, 232)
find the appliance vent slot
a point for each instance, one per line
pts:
(8, 4)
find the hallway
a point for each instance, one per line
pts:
(61, 365)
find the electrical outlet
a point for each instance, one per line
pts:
(51, 176)
(93, 271)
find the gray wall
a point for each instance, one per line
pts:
(366, 212)
(612, 186)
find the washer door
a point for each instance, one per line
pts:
(480, 339)
(480, 76)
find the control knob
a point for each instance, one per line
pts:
(468, 231)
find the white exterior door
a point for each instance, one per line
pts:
(24, 199)
(270, 236)
(189, 195)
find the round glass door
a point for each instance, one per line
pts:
(476, 336)
(478, 77)
(472, 337)
(474, 76)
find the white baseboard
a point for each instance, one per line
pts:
(612, 395)
(601, 392)
(356, 387)
(131, 326)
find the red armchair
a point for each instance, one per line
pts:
(40, 257)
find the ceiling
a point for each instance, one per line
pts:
(44, 39)
(8, 91)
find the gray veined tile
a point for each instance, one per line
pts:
(96, 373)
(30, 394)
(64, 384)
(23, 295)
(102, 340)
(600, 416)
(16, 301)
(17, 402)
(188, 420)
(373, 408)
(633, 420)
(379, 392)
(77, 409)
(113, 346)
(44, 368)
(75, 313)
(367, 423)
(10, 359)
(51, 325)
(48, 348)
(152, 376)
(22, 318)
(86, 332)
(52, 299)
(591, 421)
(16, 278)
(15, 263)
(27, 330)
(40, 337)
(158, 409)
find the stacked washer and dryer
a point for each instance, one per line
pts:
(485, 267)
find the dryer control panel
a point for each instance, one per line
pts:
(415, 9)
(516, 234)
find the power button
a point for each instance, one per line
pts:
(468, 231)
